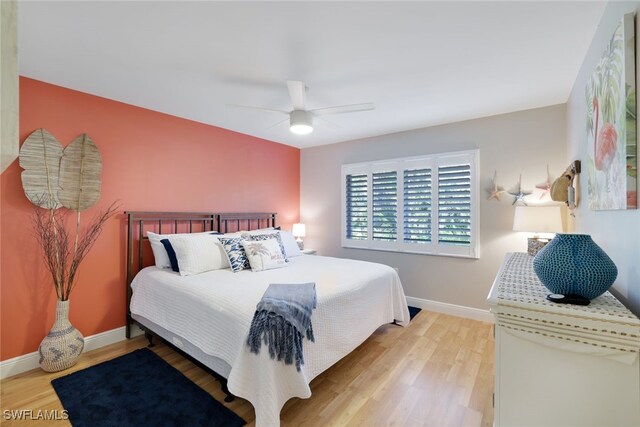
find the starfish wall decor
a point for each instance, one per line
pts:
(494, 193)
(517, 192)
(546, 186)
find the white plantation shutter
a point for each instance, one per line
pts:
(357, 206)
(457, 216)
(454, 205)
(384, 198)
(425, 204)
(417, 205)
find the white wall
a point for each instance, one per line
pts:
(617, 232)
(522, 142)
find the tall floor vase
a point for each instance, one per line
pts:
(62, 347)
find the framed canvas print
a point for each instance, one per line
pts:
(611, 124)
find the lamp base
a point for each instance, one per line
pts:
(300, 243)
(534, 244)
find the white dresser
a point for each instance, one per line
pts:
(559, 364)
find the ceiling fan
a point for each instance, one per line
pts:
(301, 119)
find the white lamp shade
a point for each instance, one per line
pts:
(538, 219)
(299, 230)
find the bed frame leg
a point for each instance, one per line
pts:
(223, 384)
(149, 337)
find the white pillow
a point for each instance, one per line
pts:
(264, 254)
(290, 246)
(261, 230)
(232, 235)
(197, 253)
(159, 252)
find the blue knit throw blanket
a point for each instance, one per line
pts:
(282, 320)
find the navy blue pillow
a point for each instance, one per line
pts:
(172, 255)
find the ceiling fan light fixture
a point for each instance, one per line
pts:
(300, 122)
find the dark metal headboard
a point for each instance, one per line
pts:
(138, 223)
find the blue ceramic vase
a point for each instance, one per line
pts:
(575, 264)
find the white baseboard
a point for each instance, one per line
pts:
(27, 362)
(452, 309)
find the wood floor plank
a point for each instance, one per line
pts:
(436, 372)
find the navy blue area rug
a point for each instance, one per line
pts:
(139, 389)
(413, 311)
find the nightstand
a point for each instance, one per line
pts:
(309, 251)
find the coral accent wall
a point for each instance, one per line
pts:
(152, 161)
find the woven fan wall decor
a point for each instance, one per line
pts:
(54, 177)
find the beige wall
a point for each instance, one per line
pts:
(522, 142)
(617, 232)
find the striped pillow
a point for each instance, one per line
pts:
(196, 254)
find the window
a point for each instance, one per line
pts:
(425, 204)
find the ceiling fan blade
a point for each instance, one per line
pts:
(331, 124)
(297, 94)
(249, 107)
(276, 124)
(353, 108)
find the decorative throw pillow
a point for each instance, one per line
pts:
(264, 254)
(258, 237)
(196, 254)
(235, 253)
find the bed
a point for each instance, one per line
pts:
(208, 315)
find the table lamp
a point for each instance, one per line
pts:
(537, 219)
(299, 231)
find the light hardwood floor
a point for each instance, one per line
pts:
(436, 372)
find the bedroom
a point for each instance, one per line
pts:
(522, 108)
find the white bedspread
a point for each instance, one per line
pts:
(213, 310)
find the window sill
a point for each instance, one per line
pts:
(404, 251)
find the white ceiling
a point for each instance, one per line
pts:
(421, 63)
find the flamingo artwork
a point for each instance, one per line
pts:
(605, 143)
(610, 101)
